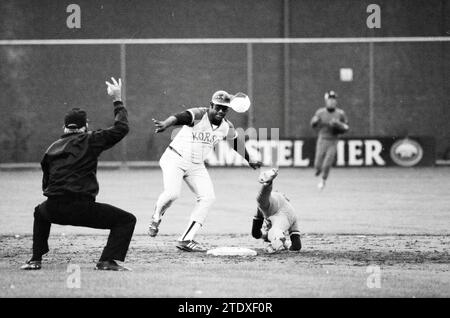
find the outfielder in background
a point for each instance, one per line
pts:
(70, 184)
(331, 122)
(184, 158)
(275, 217)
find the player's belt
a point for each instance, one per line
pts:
(173, 149)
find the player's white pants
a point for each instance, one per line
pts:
(175, 168)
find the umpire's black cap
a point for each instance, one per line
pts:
(330, 94)
(75, 118)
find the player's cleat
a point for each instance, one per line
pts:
(267, 176)
(190, 246)
(321, 184)
(31, 265)
(110, 266)
(153, 228)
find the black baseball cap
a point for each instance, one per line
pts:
(75, 118)
(330, 94)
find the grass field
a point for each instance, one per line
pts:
(396, 219)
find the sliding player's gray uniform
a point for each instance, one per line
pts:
(278, 213)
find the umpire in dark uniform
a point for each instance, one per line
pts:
(70, 185)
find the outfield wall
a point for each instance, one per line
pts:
(39, 83)
(351, 152)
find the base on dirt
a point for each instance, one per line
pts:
(231, 251)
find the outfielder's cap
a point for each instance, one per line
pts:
(330, 94)
(75, 118)
(221, 98)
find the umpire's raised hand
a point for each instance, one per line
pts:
(114, 89)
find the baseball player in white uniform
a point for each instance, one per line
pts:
(202, 128)
(275, 217)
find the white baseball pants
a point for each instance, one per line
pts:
(175, 168)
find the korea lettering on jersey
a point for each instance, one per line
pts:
(195, 142)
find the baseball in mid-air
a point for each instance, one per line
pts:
(240, 103)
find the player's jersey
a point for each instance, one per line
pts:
(325, 117)
(194, 142)
(278, 203)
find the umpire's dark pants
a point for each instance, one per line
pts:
(83, 211)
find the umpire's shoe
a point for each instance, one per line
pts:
(190, 246)
(110, 266)
(31, 265)
(153, 228)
